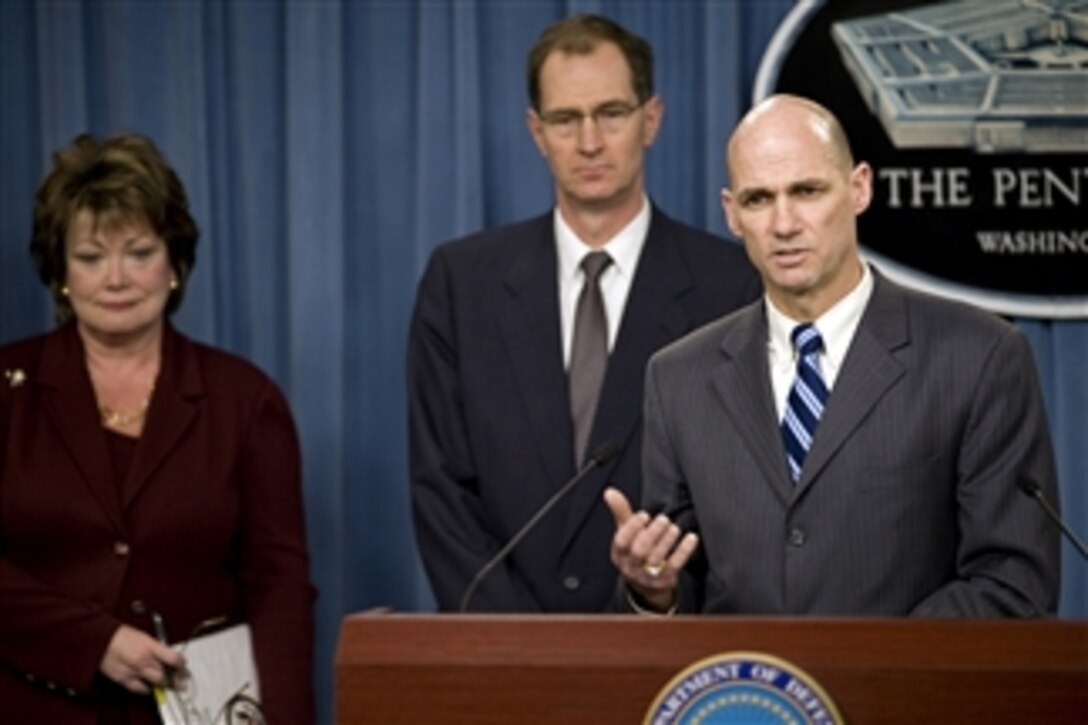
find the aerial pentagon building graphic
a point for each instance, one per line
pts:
(997, 76)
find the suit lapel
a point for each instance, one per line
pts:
(174, 406)
(72, 412)
(868, 371)
(529, 325)
(742, 383)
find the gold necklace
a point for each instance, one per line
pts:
(117, 419)
(114, 419)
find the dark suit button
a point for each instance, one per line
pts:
(70, 692)
(50, 685)
(797, 537)
(30, 677)
(572, 583)
(138, 606)
(120, 548)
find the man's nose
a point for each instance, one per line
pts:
(784, 219)
(589, 135)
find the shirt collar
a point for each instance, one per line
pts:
(624, 248)
(836, 326)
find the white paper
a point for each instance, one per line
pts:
(222, 674)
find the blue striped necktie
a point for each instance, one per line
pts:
(808, 396)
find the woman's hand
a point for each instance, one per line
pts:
(137, 661)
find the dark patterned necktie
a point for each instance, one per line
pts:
(589, 352)
(807, 398)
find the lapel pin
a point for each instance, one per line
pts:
(15, 377)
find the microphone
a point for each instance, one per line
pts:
(602, 455)
(1035, 491)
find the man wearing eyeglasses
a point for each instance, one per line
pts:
(528, 345)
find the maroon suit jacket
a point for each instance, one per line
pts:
(207, 523)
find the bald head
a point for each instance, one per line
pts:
(793, 115)
(794, 199)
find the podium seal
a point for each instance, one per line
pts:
(742, 687)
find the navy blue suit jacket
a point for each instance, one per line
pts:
(491, 435)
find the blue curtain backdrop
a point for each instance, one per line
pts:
(328, 147)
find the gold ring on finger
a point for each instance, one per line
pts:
(653, 570)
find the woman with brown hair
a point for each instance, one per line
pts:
(143, 476)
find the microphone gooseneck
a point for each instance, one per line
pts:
(1033, 490)
(602, 455)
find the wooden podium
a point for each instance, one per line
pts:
(411, 668)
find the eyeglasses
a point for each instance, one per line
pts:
(609, 118)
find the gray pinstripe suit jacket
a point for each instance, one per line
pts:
(908, 502)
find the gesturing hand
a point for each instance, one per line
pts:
(648, 551)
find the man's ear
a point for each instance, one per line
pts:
(536, 130)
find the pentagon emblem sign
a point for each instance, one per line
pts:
(974, 116)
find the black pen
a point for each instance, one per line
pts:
(160, 634)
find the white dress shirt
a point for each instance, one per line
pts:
(837, 327)
(615, 281)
